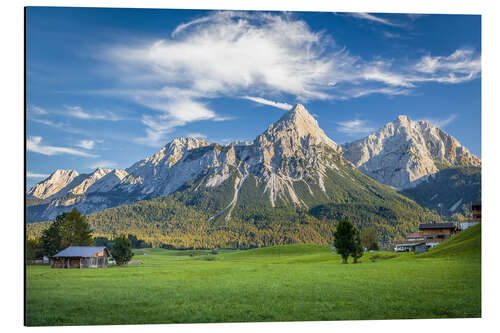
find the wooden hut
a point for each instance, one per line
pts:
(81, 257)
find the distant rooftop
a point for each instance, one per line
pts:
(80, 251)
(437, 226)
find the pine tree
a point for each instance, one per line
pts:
(52, 238)
(75, 230)
(343, 239)
(357, 250)
(68, 229)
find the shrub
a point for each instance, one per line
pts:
(122, 250)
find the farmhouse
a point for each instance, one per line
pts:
(429, 234)
(81, 257)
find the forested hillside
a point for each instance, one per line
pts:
(185, 220)
(449, 191)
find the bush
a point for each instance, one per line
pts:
(122, 250)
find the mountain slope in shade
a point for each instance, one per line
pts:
(404, 152)
(449, 190)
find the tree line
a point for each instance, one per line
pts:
(72, 229)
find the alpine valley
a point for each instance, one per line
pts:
(290, 185)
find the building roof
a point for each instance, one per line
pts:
(437, 226)
(80, 251)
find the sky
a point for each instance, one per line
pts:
(108, 87)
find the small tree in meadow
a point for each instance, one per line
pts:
(122, 250)
(357, 249)
(343, 239)
(369, 239)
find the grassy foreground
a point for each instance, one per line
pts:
(286, 283)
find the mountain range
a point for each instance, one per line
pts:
(292, 167)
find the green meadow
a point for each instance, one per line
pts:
(283, 283)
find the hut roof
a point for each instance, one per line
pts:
(80, 251)
(437, 226)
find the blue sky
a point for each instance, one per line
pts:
(108, 87)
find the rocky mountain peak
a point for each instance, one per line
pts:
(296, 127)
(404, 152)
(403, 120)
(53, 184)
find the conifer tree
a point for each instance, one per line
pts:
(357, 249)
(343, 239)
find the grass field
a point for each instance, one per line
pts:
(286, 283)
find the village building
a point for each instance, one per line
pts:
(81, 257)
(476, 217)
(429, 235)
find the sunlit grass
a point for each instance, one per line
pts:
(285, 283)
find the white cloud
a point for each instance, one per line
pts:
(196, 135)
(360, 92)
(462, 65)
(388, 34)
(354, 127)
(104, 164)
(373, 18)
(387, 77)
(34, 144)
(30, 174)
(37, 110)
(279, 105)
(441, 123)
(176, 112)
(87, 144)
(231, 54)
(78, 112)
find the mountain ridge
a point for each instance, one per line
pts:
(292, 163)
(403, 152)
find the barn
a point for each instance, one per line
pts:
(81, 257)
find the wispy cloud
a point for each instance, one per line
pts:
(279, 105)
(462, 65)
(87, 144)
(79, 112)
(30, 174)
(36, 110)
(228, 54)
(388, 34)
(176, 112)
(196, 135)
(373, 18)
(376, 73)
(106, 164)
(442, 122)
(355, 127)
(390, 91)
(34, 144)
